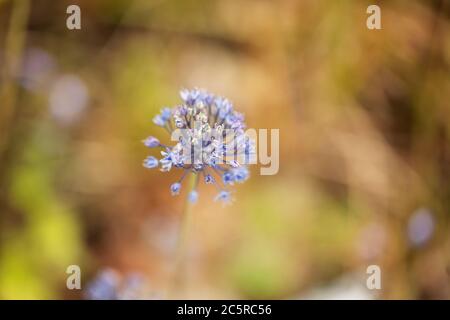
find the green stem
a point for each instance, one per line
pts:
(15, 42)
(182, 245)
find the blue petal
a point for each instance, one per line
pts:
(159, 121)
(224, 196)
(209, 179)
(175, 188)
(228, 177)
(166, 113)
(241, 174)
(150, 162)
(151, 142)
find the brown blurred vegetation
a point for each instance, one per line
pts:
(364, 121)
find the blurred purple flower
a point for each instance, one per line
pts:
(109, 285)
(104, 286)
(68, 98)
(38, 67)
(420, 227)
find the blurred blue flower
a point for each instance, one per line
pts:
(109, 285)
(104, 286)
(193, 196)
(420, 227)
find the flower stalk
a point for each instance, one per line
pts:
(181, 250)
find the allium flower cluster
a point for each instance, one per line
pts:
(210, 143)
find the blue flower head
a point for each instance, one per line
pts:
(209, 141)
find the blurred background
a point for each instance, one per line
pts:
(364, 119)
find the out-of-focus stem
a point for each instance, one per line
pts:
(15, 40)
(182, 245)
